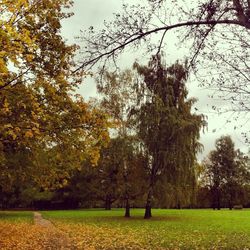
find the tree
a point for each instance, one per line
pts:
(216, 32)
(227, 172)
(110, 172)
(105, 184)
(40, 117)
(214, 178)
(84, 186)
(118, 97)
(166, 126)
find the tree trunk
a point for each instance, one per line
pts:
(125, 177)
(127, 209)
(230, 202)
(108, 202)
(178, 205)
(214, 203)
(148, 213)
(218, 199)
(214, 198)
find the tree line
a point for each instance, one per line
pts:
(220, 181)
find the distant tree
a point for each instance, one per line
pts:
(84, 186)
(236, 179)
(214, 178)
(116, 183)
(134, 177)
(105, 184)
(166, 125)
(227, 172)
(117, 99)
(111, 171)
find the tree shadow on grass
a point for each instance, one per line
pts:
(141, 218)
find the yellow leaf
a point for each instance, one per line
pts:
(28, 134)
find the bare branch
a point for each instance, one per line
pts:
(145, 34)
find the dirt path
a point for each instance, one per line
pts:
(40, 221)
(54, 238)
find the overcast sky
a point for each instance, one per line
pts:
(93, 13)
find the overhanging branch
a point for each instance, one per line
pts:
(141, 35)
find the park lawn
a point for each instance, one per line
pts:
(168, 229)
(16, 216)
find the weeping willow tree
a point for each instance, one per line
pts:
(170, 193)
(167, 127)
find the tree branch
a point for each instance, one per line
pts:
(240, 13)
(164, 28)
(16, 78)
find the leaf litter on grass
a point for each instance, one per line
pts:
(26, 236)
(95, 237)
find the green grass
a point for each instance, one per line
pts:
(16, 216)
(183, 229)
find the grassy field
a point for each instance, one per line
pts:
(16, 216)
(168, 229)
(98, 229)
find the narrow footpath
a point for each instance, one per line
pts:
(55, 238)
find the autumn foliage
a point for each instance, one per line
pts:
(45, 128)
